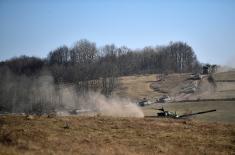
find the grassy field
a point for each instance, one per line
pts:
(139, 87)
(107, 135)
(136, 87)
(212, 133)
(230, 75)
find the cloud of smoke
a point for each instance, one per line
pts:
(228, 66)
(42, 95)
(221, 69)
(113, 106)
(98, 103)
(231, 62)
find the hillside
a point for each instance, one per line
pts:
(138, 87)
(212, 133)
(141, 86)
(149, 86)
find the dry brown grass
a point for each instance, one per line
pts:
(230, 75)
(138, 87)
(142, 86)
(107, 135)
(171, 82)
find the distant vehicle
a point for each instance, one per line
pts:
(209, 69)
(163, 99)
(205, 69)
(195, 77)
(168, 114)
(79, 111)
(143, 102)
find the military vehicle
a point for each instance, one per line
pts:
(144, 102)
(163, 99)
(169, 114)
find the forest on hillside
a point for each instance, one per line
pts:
(24, 79)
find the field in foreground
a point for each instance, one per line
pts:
(107, 135)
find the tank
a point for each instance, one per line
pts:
(169, 114)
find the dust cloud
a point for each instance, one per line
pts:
(229, 65)
(95, 102)
(110, 106)
(225, 68)
(41, 95)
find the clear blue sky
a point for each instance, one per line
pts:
(33, 27)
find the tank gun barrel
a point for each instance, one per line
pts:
(197, 113)
(161, 109)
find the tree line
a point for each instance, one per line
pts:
(84, 61)
(91, 68)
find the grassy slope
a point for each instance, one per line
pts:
(225, 89)
(138, 87)
(103, 135)
(230, 75)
